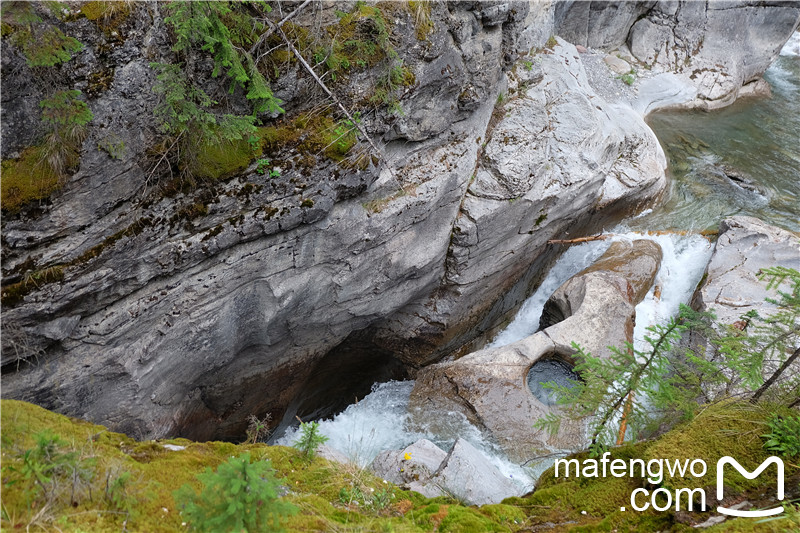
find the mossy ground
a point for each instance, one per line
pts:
(323, 491)
(27, 179)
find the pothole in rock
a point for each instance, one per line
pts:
(546, 370)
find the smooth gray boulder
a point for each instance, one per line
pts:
(414, 463)
(469, 476)
(596, 307)
(464, 473)
(745, 246)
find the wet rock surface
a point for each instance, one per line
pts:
(595, 308)
(745, 246)
(464, 473)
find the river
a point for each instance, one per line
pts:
(755, 140)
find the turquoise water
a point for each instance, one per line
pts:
(755, 138)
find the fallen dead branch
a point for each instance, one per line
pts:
(603, 236)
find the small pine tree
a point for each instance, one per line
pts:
(310, 439)
(663, 385)
(240, 496)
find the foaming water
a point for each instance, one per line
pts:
(526, 321)
(684, 260)
(380, 421)
(792, 47)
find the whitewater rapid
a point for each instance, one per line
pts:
(379, 421)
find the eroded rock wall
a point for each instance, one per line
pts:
(181, 313)
(722, 47)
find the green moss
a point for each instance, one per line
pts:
(310, 134)
(191, 212)
(99, 81)
(220, 160)
(308, 202)
(316, 486)
(108, 15)
(26, 179)
(46, 48)
(421, 14)
(6, 29)
(14, 294)
(732, 429)
(467, 520)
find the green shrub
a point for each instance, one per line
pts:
(203, 24)
(208, 145)
(64, 110)
(240, 496)
(784, 435)
(310, 439)
(67, 118)
(51, 470)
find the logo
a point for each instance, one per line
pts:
(656, 470)
(749, 475)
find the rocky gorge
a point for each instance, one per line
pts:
(164, 307)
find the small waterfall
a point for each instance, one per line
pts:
(526, 322)
(684, 260)
(379, 421)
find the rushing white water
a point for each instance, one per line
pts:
(526, 322)
(684, 260)
(792, 46)
(380, 421)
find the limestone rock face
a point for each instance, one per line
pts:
(595, 308)
(597, 24)
(694, 39)
(558, 156)
(745, 246)
(183, 313)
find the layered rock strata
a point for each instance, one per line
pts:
(182, 313)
